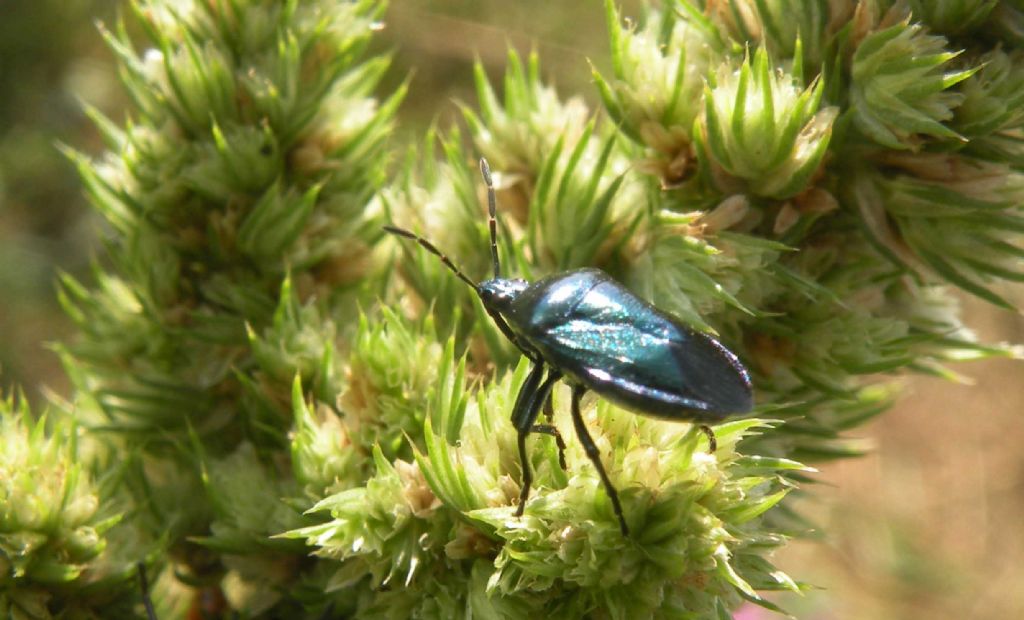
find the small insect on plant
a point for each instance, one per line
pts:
(584, 327)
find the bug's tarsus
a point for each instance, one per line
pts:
(595, 456)
(144, 587)
(712, 441)
(430, 247)
(492, 221)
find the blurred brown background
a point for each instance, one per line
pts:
(929, 525)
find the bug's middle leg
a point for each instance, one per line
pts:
(550, 429)
(595, 456)
(712, 442)
(544, 395)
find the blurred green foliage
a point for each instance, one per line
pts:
(50, 57)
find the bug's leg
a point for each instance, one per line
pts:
(594, 455)
(144, 586)
(549, 413)
(712, 441)
(524, 413)
(549, 429)
(508, 333)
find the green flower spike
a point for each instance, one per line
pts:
(899, 92)
(240, 195)
(701, 273)
(53, 531)
(576, 199)
(245, 495)
(386, 540)
(443, 201)
(324, 461)
(766, 133)
(953, 17)
(658, 78)
(797, 30)
(993, 97)
(1007, 22)
(255, 149)
(956, 216)
(392, 360)
(388, 534)
(515, 135)
(697, 538)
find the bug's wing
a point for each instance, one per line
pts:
(653, 365)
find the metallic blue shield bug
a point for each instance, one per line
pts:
(583, 327)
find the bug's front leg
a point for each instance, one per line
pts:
(523, 415)
(528, 404)
(503, 327)
(595, 457)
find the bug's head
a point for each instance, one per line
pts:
(498, 293)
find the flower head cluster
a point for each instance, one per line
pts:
(762, 128)
(54, 524)
(900, 89)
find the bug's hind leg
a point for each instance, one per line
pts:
(712, 441)
(595, 456)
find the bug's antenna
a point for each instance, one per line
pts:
(401, 232)
(492, 216)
